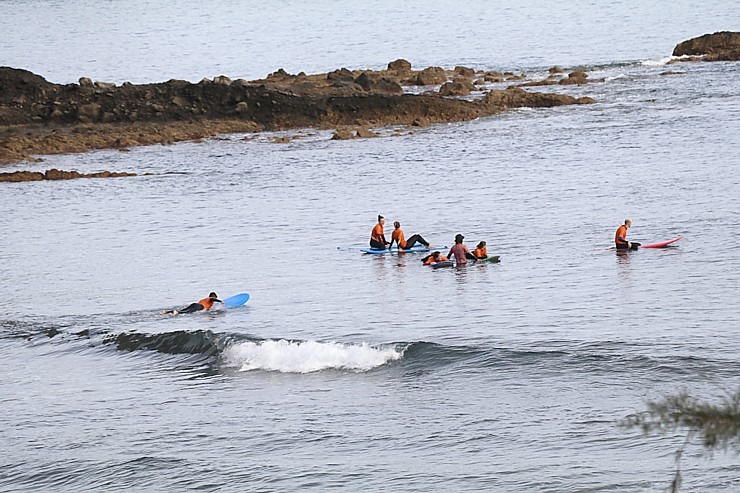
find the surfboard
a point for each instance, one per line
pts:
(660, 244)
(493, 259)
(236, 300)
(416, 249)
(439, 265)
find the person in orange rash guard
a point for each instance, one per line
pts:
(377, 236)
(204, 304)
(434, 258)
(398, 237)
(620, 237)
(480, 251)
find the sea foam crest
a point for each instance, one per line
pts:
(660, 62)
(308, 356)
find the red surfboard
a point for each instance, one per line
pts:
(661, 244)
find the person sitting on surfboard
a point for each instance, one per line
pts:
(620, 238)
(377, 236)
(204, 304)
(480, 251)
(460, 251)
(402, 243)
(434, 258)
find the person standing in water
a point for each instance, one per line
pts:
(398, 237)
(620, 238)
(460, 251)
(377, 236)
(204, 304)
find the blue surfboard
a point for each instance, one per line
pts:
(236, 300)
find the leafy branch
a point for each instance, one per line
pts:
(718, 425)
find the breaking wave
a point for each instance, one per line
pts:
(308, 356)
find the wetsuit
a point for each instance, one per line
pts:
(204, 304)
(377, 237)
(620, 239)
(398, 237)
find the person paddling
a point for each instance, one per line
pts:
(480, 251)
(377, 236)
(620, 238)
(434, 258)
(204, 304)
(460, 251)
(398, 237)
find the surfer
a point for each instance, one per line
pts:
(204, 304)
(402, 243)
(434, 258)
(460, 251)
(480, 251)
(620, 238)
(377, 237)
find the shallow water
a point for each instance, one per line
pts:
(374, 372)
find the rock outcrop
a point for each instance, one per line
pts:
(56, 174)
(720, 46)
(39, 117)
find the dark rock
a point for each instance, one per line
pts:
(377, 84)
(454, 89)
(464, 71)
(222, 80)
(400, 65)
(720, 46)
(556, 70)
(577, 77)
(431, 76)
(89, 112)
(366, 133)
(86, 82)
(341, 74)
(20, 176)
(343, 134)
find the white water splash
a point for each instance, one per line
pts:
(308, 356)
(664, 61)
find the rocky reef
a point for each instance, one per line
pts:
(40, 117)
(720, 46)
(56, 174)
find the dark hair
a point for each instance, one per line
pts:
(481, 244)
(380, 217)
(396, 224)
(213, 295)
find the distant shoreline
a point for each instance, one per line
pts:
(38, 117)
(41, 118)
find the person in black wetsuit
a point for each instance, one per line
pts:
(204, 304)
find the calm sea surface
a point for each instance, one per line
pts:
(368, 373)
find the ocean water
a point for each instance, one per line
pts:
(363, 373)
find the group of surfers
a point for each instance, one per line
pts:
(461, 252)
(458, 250)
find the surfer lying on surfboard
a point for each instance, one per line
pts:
(620, 238)
(434, 258)
(204, 304)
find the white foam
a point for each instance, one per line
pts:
(662, 61)
(308, 356)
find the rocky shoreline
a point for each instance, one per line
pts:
(56, 174)
(38, 117)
